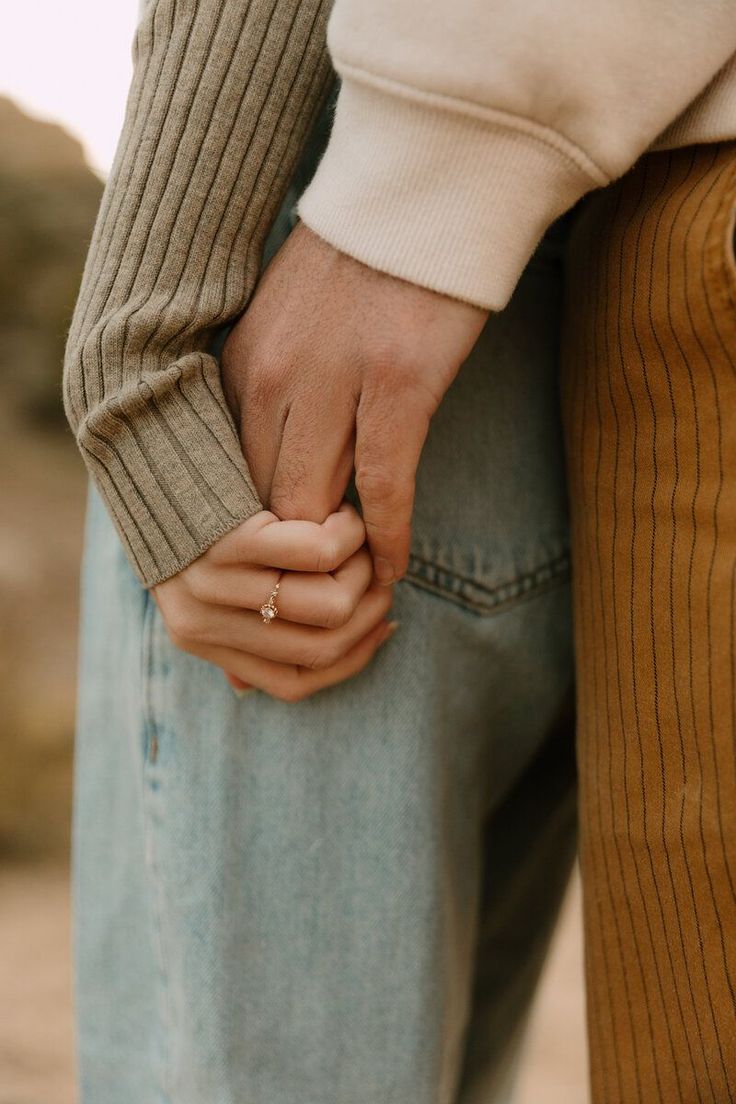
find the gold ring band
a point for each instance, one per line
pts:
(269, 609)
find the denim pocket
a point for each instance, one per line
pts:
(478, 589)
(490, 525)
(487, 577)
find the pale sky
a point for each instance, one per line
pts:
(69, 61)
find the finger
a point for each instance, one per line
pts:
(309, 598)
(237, 684)
(315, 458)
(293, 545)
(387, 453)
(261, 429)
(292, 683)
(327, 600)
(287, 642)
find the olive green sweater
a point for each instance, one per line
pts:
(463, 128)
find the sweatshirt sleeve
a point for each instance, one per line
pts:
(464, 128)
(223, 95)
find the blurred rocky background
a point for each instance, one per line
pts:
(48, 201)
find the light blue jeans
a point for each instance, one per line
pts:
(347, 900)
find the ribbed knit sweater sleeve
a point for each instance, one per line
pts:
(223, 95)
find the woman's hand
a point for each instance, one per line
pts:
(332, 614)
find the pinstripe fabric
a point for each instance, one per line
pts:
(223, 95)
(649, 397)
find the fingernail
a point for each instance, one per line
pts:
(391, 629)
(384, 570)
(243, 692)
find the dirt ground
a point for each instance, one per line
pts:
(36, 1034)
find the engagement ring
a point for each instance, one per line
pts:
(269, 609)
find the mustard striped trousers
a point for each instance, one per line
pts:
(649, 405)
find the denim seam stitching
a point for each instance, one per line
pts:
(430, 575)
(149, 727)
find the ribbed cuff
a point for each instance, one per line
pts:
(166, 458)
(452, 200)
(224, 96)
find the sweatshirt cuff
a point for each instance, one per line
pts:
(446, 195)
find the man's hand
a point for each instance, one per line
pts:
(335, 365)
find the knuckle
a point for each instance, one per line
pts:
(392, 540)
(374, 483)
(338, 612)
(392, 360)
(327, 556)
(313, 661)
(319, 656)
(182, 626)
(265, 377)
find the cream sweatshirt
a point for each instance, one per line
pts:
(462, 130)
